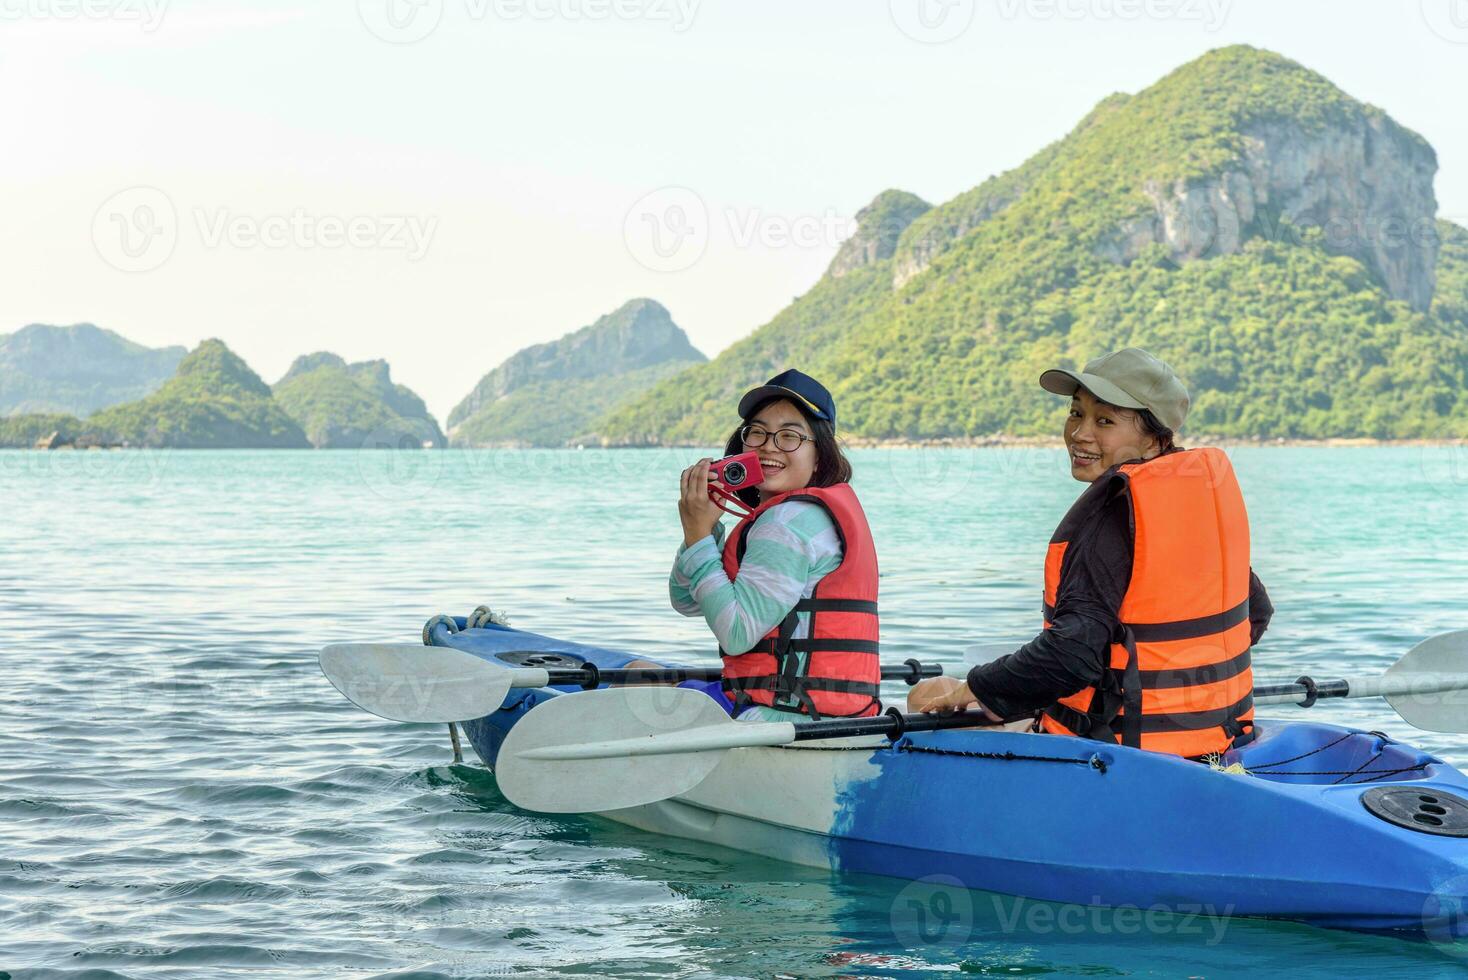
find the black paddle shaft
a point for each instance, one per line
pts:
(1308, 688)
(892, 723)
(590, 676)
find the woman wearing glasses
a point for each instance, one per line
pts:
(791, 591)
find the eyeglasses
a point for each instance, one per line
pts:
(786, 440)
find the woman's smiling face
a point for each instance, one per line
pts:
(1098, 436)
(784, 471)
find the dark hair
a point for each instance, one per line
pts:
(832, 466)
(1152, 426)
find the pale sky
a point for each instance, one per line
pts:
(442, 182)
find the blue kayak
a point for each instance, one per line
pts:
(1333, 826)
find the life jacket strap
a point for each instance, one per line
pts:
(867, 606)
(1131, 692)
(1153, 680)
(1095, 726)
(1193, 721)
(780, 684)
(824, 644)
(1191, 629)
(1183, 629)
(1085, 725)
(827, 643)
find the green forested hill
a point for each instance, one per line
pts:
(556, 413)
(552, 394)
(341, 405)
(213, 401)
(23, 431)
(1244, 219)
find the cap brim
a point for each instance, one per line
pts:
(752, 400)
(1059, 381)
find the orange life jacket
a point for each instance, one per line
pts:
(1180, 678)
(834, 671)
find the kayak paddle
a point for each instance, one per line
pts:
(1435, 666)
(582, 753)
(408, 682)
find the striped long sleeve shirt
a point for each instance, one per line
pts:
(790, 548)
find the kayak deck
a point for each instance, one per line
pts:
(1070, 820)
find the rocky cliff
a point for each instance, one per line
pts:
(1361, 186)
(879, 225)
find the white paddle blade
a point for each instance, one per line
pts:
(404, 682)
(619, 714)
(1433, 663)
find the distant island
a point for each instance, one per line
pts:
(347, 406)
(555, 394)
(78, 369)
(1272, 238)
(215, 401)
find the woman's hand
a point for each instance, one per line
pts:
(696, 509)
(945, 695)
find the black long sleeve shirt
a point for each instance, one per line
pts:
(1074, 652)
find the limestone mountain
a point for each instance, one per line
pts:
(1243, 218)
(551, 394)
(213, 401)
(879, 227)
(78, 369)
(341, 405)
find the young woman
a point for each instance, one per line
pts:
(790, 592)
(1150, 604)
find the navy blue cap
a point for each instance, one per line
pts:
(806, 391)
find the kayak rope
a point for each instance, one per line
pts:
(484, 616)
(1094, 762)
(1272, 768)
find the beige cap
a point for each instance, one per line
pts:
(1130, 378)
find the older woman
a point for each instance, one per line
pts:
(1150, 604)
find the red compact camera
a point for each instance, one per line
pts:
(732, 474)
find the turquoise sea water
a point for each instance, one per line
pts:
(183, 795)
